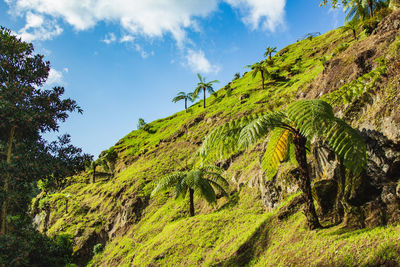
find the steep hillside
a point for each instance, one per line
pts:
(261, 223)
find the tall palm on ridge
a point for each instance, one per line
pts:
(184, 96)
(201, 180)
(259, 68)
(289, 131)
(203, 85)
(268, 52)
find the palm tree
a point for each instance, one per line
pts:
(259, 67)
(351, 26)
(186, 97)
(198, 180)
(289, 132)
(268, 52)
(203, 85)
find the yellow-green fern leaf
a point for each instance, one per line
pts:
(276, 152)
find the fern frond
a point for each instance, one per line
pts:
(222, 141)
(276, 152)
(168, 181)
(219, 187)
(310, 116)
(260, 127)
(347, 144)
(217, 178)
(180, 189)
(212, 168)
(205, 190)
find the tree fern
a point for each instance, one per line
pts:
(201, 181)
(292, 130)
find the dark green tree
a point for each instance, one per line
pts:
(205, 86)
(289, 131)
(201, 180)
(184, 96)
(141, 123)
(26, 110)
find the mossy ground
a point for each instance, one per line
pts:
(236, 231)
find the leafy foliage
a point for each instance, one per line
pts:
(201, 180)
(310, 118)
(26, 112)
(277, 151)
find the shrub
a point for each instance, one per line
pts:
(98, 248)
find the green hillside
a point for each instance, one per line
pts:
(136, 230)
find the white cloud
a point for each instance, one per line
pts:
(66, 70)
(142, 52)
(197, 62)
(149, 18)
(109, 38)
(267, 13)
(55, 77)
(126, 39)
(37, 28)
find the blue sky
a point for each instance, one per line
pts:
(123, 60)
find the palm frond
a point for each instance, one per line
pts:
(168, 181)
(200, 77)
(260, 127)
(196, 91)
(210, 90)
(178, 98)
(276, 152)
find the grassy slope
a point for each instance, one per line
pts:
(234, 232)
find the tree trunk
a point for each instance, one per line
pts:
(269, 56)
(191, 210)
(355, 34)
(186, 104)
(66, 206)
(262, 80)
(94, 174)
(6, 184)
(204, 97)
(370, 6)
(304, 182)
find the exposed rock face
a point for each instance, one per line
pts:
(130, 212)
